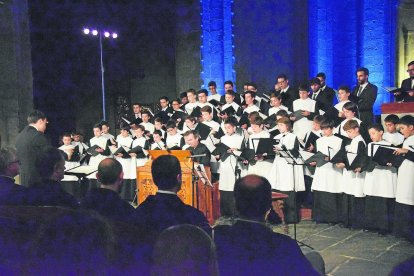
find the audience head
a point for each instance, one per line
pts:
(50, 164)
(184, 250)
(110, 173)
(166, 173)
(38, 119)
(253, 196)
(9, 163)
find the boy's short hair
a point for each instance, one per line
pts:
(407, 120)
(351, 124)
(377, 127)
(318, 119)
(258, 121)
(286, 121)
(392, 118)
(141, 127)
(157, 131)
(207, 109)
(327, 124)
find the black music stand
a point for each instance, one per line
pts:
(81, 172)
(292, 160)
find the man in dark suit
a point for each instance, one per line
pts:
(105, 199)
(326, 89)
(249, 247)
(192, 139)
(288, 93)
(406, 92)
(364, 95)
(29, 143)
(165, 110)
(165, 209)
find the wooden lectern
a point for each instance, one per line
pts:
(201, 196)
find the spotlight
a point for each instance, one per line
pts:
(114, 35)
(86, 31)
(106, 34)
(95, 32)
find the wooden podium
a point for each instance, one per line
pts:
(399, 109)
(203, 197)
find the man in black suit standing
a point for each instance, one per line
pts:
(364, 95)
(324, 98)
(166, 209)
(29, 144)
(406, 92)
(288, 93)
(249, 247)
(325, 88)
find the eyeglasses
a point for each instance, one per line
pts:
(410, 70)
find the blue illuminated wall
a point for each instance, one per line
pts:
(344, 35)
(217, 42)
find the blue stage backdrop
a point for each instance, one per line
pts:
(345, 35)
(217, 57)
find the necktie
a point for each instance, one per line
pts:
(359, 91)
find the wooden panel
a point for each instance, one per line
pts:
(396, 108)
(146, 186)
(203, 197)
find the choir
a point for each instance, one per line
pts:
(285, 136)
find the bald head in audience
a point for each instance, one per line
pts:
(253, 196)
(110, 174)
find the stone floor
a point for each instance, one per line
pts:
(353, 252)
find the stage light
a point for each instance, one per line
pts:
(114, 35)
(106, 34)
(95, 32)
(86, 31)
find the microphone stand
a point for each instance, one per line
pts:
(294, 163)
(195, 179)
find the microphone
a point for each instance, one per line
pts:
(197, 155)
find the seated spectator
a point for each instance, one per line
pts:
(9, 168)
(249, 247)
(166, 209)
(184, 250)
(50, 165)
(106, 200)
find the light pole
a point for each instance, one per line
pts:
(108, 35)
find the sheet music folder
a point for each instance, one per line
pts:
(81, 171)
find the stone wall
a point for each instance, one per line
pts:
(270, 37)
(15, 70)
